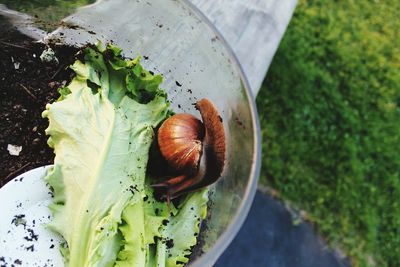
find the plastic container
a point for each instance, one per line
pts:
(178, 41)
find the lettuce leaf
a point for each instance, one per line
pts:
(101, 129)
(182, 229)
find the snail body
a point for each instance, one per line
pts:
(194, 149)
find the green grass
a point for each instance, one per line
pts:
(48, 12)
(330, 121)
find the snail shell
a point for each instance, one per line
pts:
(180, 139)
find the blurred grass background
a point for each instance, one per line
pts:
(47, 12)
(330, 120)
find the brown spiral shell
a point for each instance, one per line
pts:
(180, 139)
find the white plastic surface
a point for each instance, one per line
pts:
(26, 241)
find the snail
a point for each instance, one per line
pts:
(194, 149)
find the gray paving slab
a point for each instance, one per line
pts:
(270, 238)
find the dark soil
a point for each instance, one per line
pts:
(26, 86)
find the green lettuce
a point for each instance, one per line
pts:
(101, 129)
